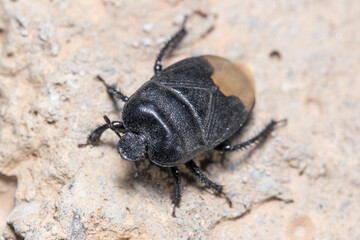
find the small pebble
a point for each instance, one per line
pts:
(291, 74)
(82, 56)
(102, 180)
(49, 226)
(349, 103)
(3, 111)
(179, 18)
(136, 231)
(161, 40)
(245, 179)
(324, 71)
(74, 70)
(235, 214)
(54, 49)
(173, 1)
(148, 27)
(46, 31)
(147, 42)
(257, 175)
(266, 185)
(110, 71)
(180, 221)
(234, 51)
(135, 44)
(24, 32)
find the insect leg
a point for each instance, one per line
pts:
(170, 44)
(113, 93)
(208, 183)
(176, 197)
(136, 169)
(95, 135)
(260, 136)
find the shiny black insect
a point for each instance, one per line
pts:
(190, 107)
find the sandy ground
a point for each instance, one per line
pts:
(302, 183)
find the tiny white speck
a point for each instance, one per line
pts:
(148, 27)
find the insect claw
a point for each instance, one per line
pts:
(174, 211)
(82, 145)
(228, 200)
(283, 122)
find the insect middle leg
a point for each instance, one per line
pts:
(170, 44)
(208, 183)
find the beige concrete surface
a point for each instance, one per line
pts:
(302, 183)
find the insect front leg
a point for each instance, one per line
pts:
(94, 137)
(176, 196)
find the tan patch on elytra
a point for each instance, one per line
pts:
(233, 79)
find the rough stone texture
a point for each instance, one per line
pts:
(303, 183)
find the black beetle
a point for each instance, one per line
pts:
(190, 107)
